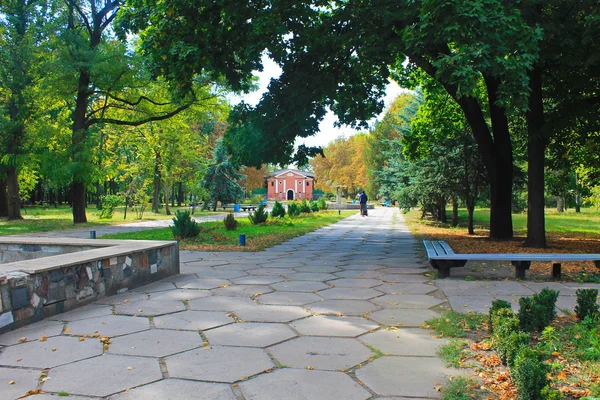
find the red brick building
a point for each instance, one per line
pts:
(289, 184)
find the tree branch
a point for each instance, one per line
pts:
(162, 117)
(81, 14)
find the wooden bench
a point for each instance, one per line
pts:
(248, 207)
(442, 258)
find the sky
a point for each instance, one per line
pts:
(328, 132)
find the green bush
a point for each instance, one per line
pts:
(305, 207)
(496, 306)
(293, 209)
(230, 222)
(259, 216)
(550, 394)
(322, 203)
(314, 206)
(587, 305)
(507, 338)
(278, 210)
(539, 311)
(529, 374)
(109, 203)
(184, 226)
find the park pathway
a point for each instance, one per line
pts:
(332, 315)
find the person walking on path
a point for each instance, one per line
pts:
(362, 199)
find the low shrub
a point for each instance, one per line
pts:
(278, 210)
(314, 207)
(109, 203)
(304, 207)
(259, 216)
(322, 203)
(496, 306)
(539, 311)
(587, 305)
(184, 226)
(508, 338)
(293, 209)
(230, 222)
(529, 374)
(550, 394)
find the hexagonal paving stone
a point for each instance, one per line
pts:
(299, 286)
(127, 297)
(288, 298)
(318, 268)
(221, 303)
(176, 389)
(404, 376)
(90, 311)
(271, 313)
(479, 304)
(321, 353)
(204, 283)
(345, 293)
(322, 385)
(343, 307)
(404, 278)
(218, 364)
(323, 325)
(270, 271)
(354, 282)
(108, 325)
(181, 295)
(155, 343)
(40, 354)
(24, 381)
(220, 274)
(407, 301)
(103, 376)
(310, 276)
(32, 332)
(249, 334)
(404, 342)
(404, 317)
(355, 273)
(242, 290)
(406, 288)
(193, 320)
(258, 280)
(149, 308)
(155, 287)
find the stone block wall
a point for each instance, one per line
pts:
(12, 252)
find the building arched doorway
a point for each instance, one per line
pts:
(290, 194)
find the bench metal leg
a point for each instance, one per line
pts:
(520, 268)
(443, 272)
(443, 266)
(556, 271)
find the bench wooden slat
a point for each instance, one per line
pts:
(446, 247)
(429, 247)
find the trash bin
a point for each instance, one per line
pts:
(236, 208)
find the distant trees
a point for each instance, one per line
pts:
(221, 179)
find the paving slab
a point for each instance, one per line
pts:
(404, 278)
(354, 282)
(404, 376)
(155, 343)
(32, 332)
(108, 325)
(48, 396)
(324, 353)
(249, 334)
(178, 389)
(204, 283)
(402, 316)
(220, 274)
(242, 290)
(310, 276)
(24, 381)
(342, 307)
(406, 288)
(158, 286)
(298, 384)
(324, 325)
(127, 297)
(357, 273)
(103, 375)
(349, 293)
(404, 342)
(257, 280)
(270, 271)
(219, 363)
(479, 304)
(181, 295)
(321, 268)
(149, 308)
(91, 311)
(193, 320)
(221, 303)
(299, 286)
(54, 351)
(407, 301)
(271, 313)
(288, 298)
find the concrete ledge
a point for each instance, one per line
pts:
(33, 289)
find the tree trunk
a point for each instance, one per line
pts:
(577, 194)
(3, 199)
(167, 192)
(12, 186)
(454, 212)
(536, 146)
(180, 194)
(156, 182)
(99, 194)
(560, 204)
(78, 202)
(470, 211)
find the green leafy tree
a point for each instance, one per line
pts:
(222, 178)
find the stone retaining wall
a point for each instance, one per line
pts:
(34, 289)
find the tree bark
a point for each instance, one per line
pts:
(78, 201)
(156, 182)
(180, 194)
(536, 146)
(560, 204)
(470, 211)
(3, 199)
(12, 186)
(454, 212)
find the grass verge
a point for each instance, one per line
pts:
(214, 237)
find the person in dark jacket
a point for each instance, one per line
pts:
(362, 199)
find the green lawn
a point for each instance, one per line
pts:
(213, 235)
(583, 224)
(43, 219)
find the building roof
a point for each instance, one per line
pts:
(284, 171)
